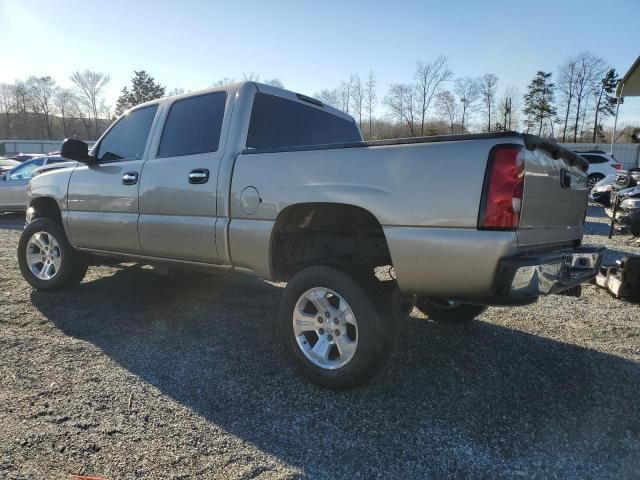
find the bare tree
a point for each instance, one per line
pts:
(401, 103)
(357, 97)
(329, 97)
(41, 92)
(370, 99)
(223, 81)
(448, 108)
(250, 77)
(467, 89)
(488, 85)
(63, 99)
(505, 109)
(344, 92)
(274, 82)
(91, 86)
(508, 107)
(566, 87)
(430, 78)
(589, 70)
(77, 110)
(7, 104)
(177, 91)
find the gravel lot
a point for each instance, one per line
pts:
(132, 375)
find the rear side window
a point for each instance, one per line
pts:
(277, 123)
(193, 125)
(594, 158)
(128, 137)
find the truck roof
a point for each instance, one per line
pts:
(232, 88)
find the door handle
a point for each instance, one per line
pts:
(199, 175)
(130, 178)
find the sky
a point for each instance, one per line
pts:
(311, 45)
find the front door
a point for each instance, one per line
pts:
(178, 185)
(103, 197)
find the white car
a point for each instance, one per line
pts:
(13, 184)
(601, 164)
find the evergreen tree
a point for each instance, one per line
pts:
(123, 102)
(605, 100)
(143, 89)
(539, 101)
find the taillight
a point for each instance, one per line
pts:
(617, 166)
(503, 186)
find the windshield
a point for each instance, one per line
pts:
(25, 170)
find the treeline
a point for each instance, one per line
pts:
(568, 105)
(38, 108)
(572, 108)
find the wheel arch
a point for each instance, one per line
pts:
(325, 233)
(44, 207)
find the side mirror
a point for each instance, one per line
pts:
(76, 150)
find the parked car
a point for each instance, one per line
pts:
(601, 164)
(259, 180)
(7, 164)
(23, 157)
(13, 183)
(603, 191)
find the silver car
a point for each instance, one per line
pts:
(13, 184)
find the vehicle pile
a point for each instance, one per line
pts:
(619, 194)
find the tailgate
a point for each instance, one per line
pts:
(555, 194)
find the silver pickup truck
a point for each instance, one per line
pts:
(259, 180)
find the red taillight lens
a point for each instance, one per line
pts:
(503, 186)
(617, 166)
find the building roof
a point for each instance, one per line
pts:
(629, 86)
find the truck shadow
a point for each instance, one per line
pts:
(12, 221)
(473, 395)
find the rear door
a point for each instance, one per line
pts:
(554, 199)
(103, 197)
(179, 180)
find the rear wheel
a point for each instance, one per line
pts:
(593, 179)
(46, 259)
(340, 333)
(449, 310)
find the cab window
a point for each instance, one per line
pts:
(127, 139)
(193, 125)
(277, 122)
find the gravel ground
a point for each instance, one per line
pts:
(132, 375)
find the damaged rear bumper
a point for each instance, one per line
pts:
(533, 275)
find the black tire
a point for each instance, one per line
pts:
(593, 179)
(457, 313)
(377, 326)
(72, 266)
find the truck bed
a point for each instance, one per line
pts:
(531, 142)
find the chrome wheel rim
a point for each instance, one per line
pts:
(325, 328)
(44, 256)
(591, 182)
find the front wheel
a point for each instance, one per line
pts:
(47, 261)
(340, 333)
(449, 310)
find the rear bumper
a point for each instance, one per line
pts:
(526, 276)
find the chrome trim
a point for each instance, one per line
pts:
(553, 275)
